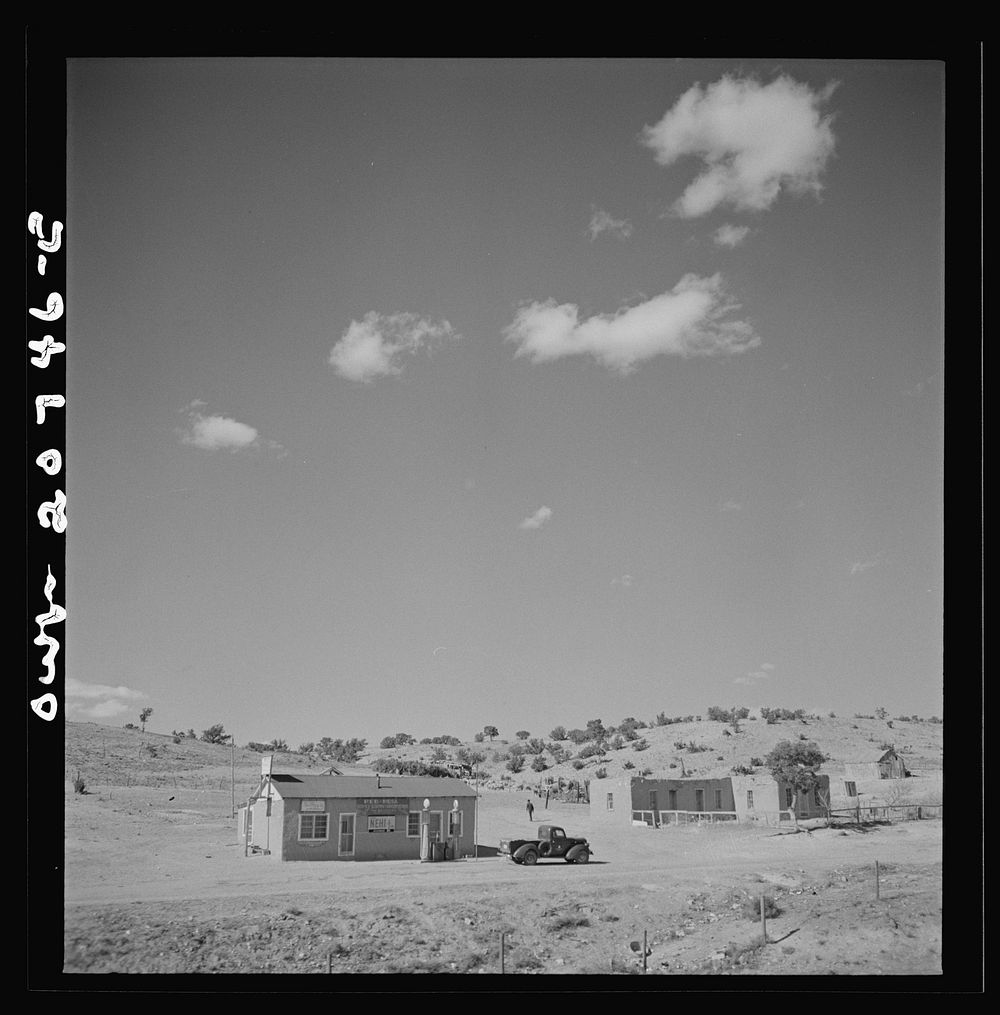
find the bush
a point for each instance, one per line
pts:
(215, 734)
(386, 742)
(559, 733)
(647, 772)
(177, 740)
(617, 742)
(589, 751)
(523, 734)
(742, 770)
(600, 773)
(79, 786)
(479, 738)
(538, 764)
(640, 745)
(628, 765)
(578, 764)
(750, 908)
(756, 762)
(515, 763)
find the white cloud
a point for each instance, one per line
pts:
(99, 701)
(374, 346)
(763, 672)
(537, 520)
(860, 566)
(602, 222)
(221, 433)
(754, 139)
(686, 321)
(730, 236)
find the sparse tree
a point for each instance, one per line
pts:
(523, 734)
(795, 765)
(492, 732)
(277, 745)
(515, 763)
(307, 748)
(215, 734)
(388, 742)
(538, 764)
(559, 733)
(143, 716)
(479, 738)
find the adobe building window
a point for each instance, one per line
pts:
(313, 826)
(749, 799)
(851, 788)
(788, 798)
(611, 801)
(718, 799)
(672, 794)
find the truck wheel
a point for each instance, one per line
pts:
(582, 857)
(530, 858)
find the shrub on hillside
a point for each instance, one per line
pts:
(629, 765)
(600, 773)
(559, 733)
(515, 762)
(79, 786)
(640, 745)
(578, 764)
(538, 764)
(386, 742)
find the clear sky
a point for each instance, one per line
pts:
(416, 395)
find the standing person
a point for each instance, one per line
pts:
(530, 808)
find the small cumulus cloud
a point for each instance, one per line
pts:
(220, 433)
(601, 222)
(692, 319)
(375, 346)
(754, 139)
(99, 701)
(730, 236)
(537, 520)
(763, 672)
(860, 566)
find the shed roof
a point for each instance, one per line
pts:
(319, 786)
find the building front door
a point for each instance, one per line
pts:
(345, 846)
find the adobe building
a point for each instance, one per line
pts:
(876, 765)
(635, 800)
(359, 817)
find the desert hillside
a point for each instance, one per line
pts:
(112, 756)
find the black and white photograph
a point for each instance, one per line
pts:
(500, 524)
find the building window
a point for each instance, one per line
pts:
(672, 796)
(749, 799)
(851, 788)
(455, 824)
(611, 801)
(314, 826)
(699, 799)
(413, 824)
(718, 799)
(788, 797)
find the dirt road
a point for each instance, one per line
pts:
(160, 885)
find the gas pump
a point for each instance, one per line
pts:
(453, 828)
(425, 832)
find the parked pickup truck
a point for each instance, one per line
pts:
(552, 844)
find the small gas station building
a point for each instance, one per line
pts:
(359, 817)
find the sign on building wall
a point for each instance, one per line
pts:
(381, 822)
(313, 805)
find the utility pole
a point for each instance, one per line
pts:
(232, 767)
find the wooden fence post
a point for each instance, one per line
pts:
(643, 953)
(503, 961)
(763, 921)
(876, 882)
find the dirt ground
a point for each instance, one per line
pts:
(156, 882)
